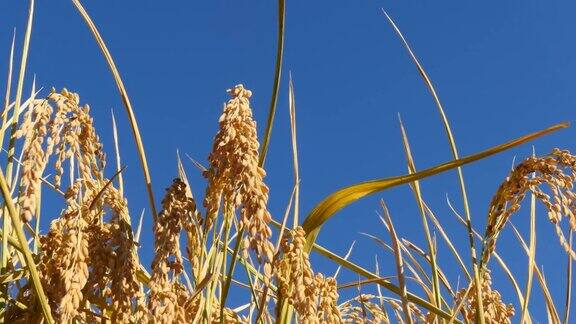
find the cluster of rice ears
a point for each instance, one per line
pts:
(86, 266)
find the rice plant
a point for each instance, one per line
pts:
(86, 266)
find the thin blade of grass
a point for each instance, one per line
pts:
(568, 299)
(512, 279)
(276, 85)
(459, 306)
(125, 101)
(19, 90)
(453, 147)
(17, 225)
(12, 276)
(362, 282)
(547, 296)
(418, 195)
(531, 257)
(8, 89)
(501, 261)
(101, 192)
(196, 163)
(139, 228)
(448, 242)
(343, 197)
(5, 221)
(379, 289)
(292, 108)
(117, 151)
(345, 258)
(408, 245)
(4, 181)
(286, 311)
(399, 264)
(411, 263)
(285, 218)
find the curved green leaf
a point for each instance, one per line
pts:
(345, 196)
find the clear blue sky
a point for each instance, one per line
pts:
(502, 69)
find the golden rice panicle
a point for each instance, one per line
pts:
(234, 176)
(75, 279)
(191, 220)
(328, 311)
(84, 257)
(92, 157)
(124, 287)
(556, 170)
(167, 265)
(312, 296)
(64, 131)
(73, 136)
(495, 311)
(294, 275)
(69, 133)
(364, 309)
(34, 159)
(63, 267)
(101, 256)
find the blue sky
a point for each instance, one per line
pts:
(502, 69)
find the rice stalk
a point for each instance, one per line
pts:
(88, 260)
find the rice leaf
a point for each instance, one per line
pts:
(550, 306)
(399, 265)
(455, 155)
(5, 220)
(292, 108)
(18, 228)
(276, 84)
(328, 207)
(531, 257)
(418, 194)
(568, 299)
(117, 151)
(125, 101)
